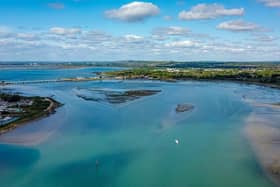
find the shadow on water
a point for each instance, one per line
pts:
(97, 171)
(13, 157)
(10, 156)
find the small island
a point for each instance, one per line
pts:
(184, 108)
(16, 110)
(116, 96)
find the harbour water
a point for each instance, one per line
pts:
(132, 144)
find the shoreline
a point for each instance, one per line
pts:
(268, 85)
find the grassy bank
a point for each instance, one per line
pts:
(269, 76)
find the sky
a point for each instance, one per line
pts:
(109, 30)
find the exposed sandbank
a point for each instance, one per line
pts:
(184, 108)
(263, 131)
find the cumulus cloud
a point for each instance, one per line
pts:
(56, 5)
(239, 26)
(65, 31)
(133, 12)
(209, 11)
(271, 3)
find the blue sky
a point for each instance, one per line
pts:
(100, 30)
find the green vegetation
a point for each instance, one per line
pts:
(252, 75)
(10, 98)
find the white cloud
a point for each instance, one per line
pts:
(5, 29)
(181, 44)
(264, 38)
(27, 36)
(238, 25)
(209, 11)
(271, 3)
(99, 45)
(171, 31)
(95, 36)
(133, 12)
(132, 37)
(65, 31)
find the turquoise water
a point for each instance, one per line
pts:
(134, 142)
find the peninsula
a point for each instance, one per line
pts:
(16, 110)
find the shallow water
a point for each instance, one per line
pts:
(134, 142)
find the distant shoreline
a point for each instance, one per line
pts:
(268, 77)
